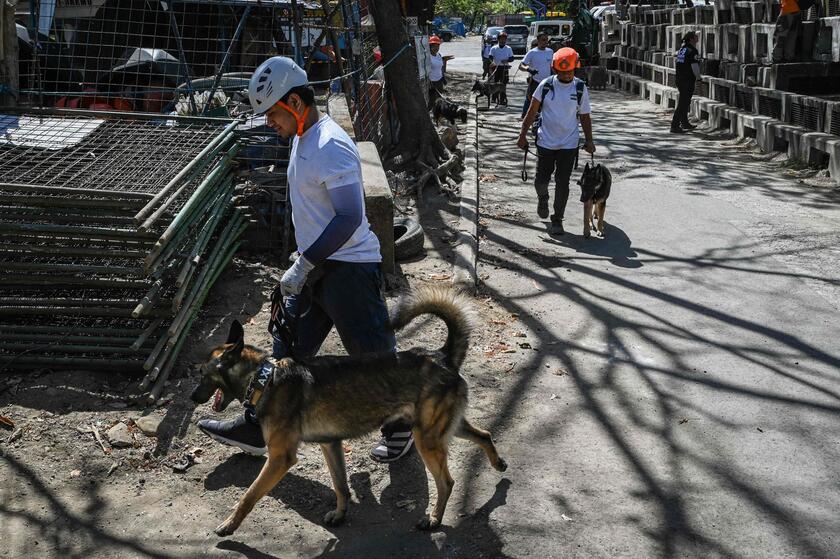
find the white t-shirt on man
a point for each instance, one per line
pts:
(559, 125)
(500, 55)
(436, 74)
(540, 60)
(325, 157)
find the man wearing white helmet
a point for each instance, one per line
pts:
(339, 254)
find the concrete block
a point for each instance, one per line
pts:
(744, 98)
(722, 14)
(832, 118)
(749, 74)
(689, 16)
(704, 15)
(626, 32)
(808, 39)
(722, 90)
(801, 77)
(708, 42)
(730, 71)
(745, 44)
(821, 150)
(752, 126)
(727, 38)
(379, 202)
(827, 42)
(772, 103)
(748, 12)
(677, 17)
(808, 112)
(762, 42)
(658, 58)
(781, 136)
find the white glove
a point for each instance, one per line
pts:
(295, 277)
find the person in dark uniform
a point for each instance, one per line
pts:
(688, 71)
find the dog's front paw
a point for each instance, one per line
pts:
(501, 465)
(226, 528)
(587, 233)
(428, 523)
(334, 517)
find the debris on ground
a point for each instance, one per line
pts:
(148, 424)
(7, 423)
(119, 436)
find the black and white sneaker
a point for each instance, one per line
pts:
(240, 432)
(392, 446)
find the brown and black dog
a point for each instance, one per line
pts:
(595, 184)
(329, 399)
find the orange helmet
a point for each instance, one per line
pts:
(434, 40)
(565, 59)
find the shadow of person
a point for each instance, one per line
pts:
(615, 245)
(310, 499)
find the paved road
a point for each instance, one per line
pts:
(683, 397)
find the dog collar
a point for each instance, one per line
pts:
(260, 381)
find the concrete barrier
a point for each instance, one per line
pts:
(762, 41)
(827, 41)
(379, 202)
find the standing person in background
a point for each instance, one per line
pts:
(486, 45)
(501, 55)
(537, 62)
(437, 75)
(688, 72)
(786, 33)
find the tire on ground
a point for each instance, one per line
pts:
(408, 238)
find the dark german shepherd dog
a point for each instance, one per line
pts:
(329, 399)
(490, 89)
(595, 184)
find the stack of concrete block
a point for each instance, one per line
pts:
(793, 106)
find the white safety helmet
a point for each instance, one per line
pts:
(272, 81)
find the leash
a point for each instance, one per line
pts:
(524, 167)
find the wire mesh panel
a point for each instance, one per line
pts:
(142, 55)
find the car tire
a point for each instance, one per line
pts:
(408, 238)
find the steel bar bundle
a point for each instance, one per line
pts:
(113, 229)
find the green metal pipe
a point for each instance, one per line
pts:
(212, 147)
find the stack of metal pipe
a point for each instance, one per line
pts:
(113, 229)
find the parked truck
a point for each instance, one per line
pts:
(500, 20)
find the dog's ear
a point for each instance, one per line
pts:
(236, 333)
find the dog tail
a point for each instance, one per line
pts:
(451, 306)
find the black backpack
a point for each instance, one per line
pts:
(805, 5)
(549, 87)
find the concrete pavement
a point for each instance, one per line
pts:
(683, 393)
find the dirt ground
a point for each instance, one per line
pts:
(65, 494)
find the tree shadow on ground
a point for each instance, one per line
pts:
(633, 398)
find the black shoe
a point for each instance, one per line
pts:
(392, 446)
(677, 130)
(557, 226)
(240, 432)
(687, 126)
(542, 208)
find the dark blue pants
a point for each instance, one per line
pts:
(349, 297)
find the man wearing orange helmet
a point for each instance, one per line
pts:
(561, 100)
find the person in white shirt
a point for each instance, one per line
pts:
(437, 74)
(537, 62)
(501, 55)
(562, 100)
(339, 257)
